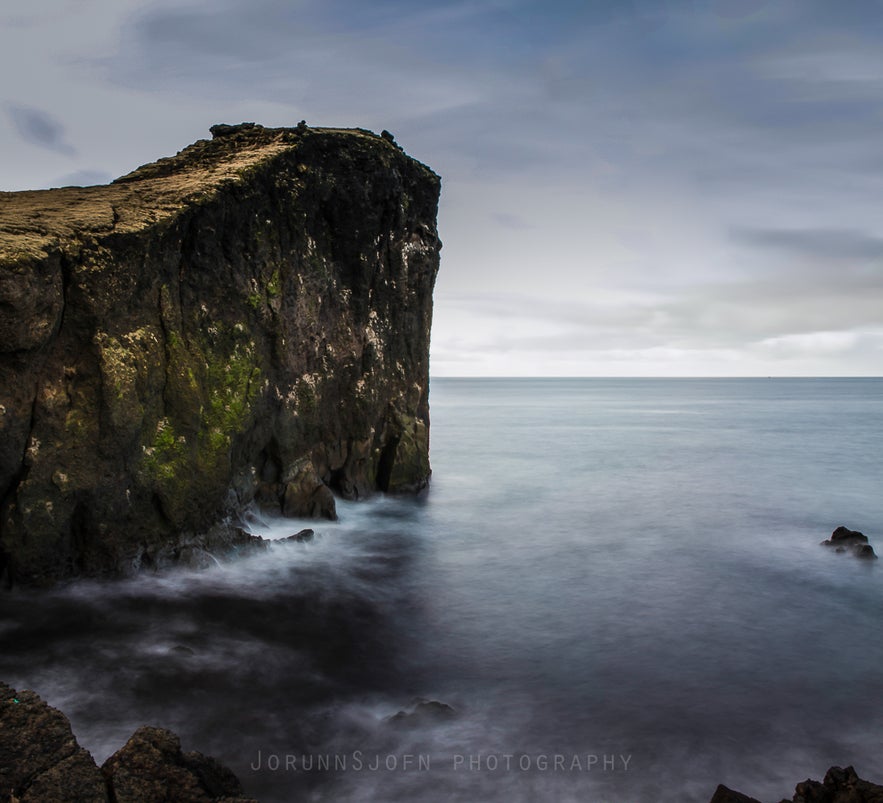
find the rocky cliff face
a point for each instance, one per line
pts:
(246, 321)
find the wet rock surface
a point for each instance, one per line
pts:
(423, 712)
(840, 786)
(40, 759)
(245, 322)
(41, 762)
(724, 794)
(845, 540)
(151, 767)
(302, 535)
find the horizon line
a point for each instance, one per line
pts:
(649, 376)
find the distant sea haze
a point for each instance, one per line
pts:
(616, 585)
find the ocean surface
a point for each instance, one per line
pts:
(617, 585)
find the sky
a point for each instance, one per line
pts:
(630, 188)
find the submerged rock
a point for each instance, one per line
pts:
(41, 762)
(864, 551)
(247, 320)
(839, 786)
(425, 711)
(846, 540)
(300, 537)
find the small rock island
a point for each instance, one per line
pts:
(246, 322)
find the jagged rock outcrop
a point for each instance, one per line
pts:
(724, 794)
(151, 767)
(248, 320)
(840, 786)
(41, 762)
(843, 539)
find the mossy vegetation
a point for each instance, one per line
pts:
(211, 389)
(125, 360)
(165, 459)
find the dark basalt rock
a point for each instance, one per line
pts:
(725, 795)
(40, 759)
(846, 540)
(839, 786)
(151, 767)
(864, 551)
(303, 535)
(41, 762)
(224, 130)
(425, 711)
(245, 321)
(843, 535)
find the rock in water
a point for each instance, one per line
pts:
(304, 535)
(843, 539)
(422, 713)
(249, 318)
(843, 535)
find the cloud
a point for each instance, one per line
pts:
(643, 179)
(83, 178)
(813, 343)
(39, 128)
(816, 244)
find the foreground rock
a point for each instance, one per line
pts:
(41, 762)
(839, 786)
(152, 768)
(246, 321)
(846, 540)
(724, 794)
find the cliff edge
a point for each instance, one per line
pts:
(247, 321)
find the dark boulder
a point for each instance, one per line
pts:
(40, 759)
(423, 713)
(840, 786)
(843, 535)
(41, 762)
(725, 795)
(845, 540)
(151, 768)
(300, 537)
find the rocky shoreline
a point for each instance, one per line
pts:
(839, 786)
(42, 762)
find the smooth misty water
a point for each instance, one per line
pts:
(625, 568)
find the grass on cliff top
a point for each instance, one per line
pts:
(35, 222)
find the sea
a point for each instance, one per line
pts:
(613, 591)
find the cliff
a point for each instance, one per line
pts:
(247, 321)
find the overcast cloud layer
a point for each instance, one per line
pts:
(629, 188)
